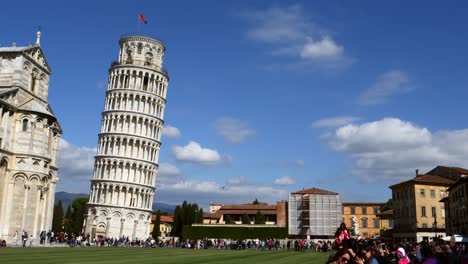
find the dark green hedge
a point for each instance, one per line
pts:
(232, 232)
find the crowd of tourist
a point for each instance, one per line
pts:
(357, 251)
(344, 249)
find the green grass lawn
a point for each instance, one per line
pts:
(151, 255)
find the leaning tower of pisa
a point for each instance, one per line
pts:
(123, 182)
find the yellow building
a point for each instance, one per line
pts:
(418, 213)
(366, 215)
(165, 226)
(386, 220)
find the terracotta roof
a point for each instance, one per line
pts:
(427, 179)
(433, 179)
(239, 212)
(315, 191)
(362, 204)
(455, 169)
(214, 215)
(167, 219)
(454, 173)
(248, 207)
(164, 218)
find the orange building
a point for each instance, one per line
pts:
(366, 215)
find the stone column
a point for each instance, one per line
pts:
(25, 206)
(108, 226)
(50, 204)
(43, 205)
(8, 203)
(36, 215)
(122, 222)
(135, 224)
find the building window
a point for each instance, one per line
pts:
(423, 211)
(432, 193)
(364, 234)
(353, 210)
(421, 192)
(25, 125)
(376, 210)
(390, 223)
(364, 223)
(442, 194)
(443, 212)
(376, 223)
(364, 210)
(139, 48)
(424, 225)
(148, 59)
(433, 211)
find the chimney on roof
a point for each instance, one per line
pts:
(417, 172)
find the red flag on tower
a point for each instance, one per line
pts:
(142, 18)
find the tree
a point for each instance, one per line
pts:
(387, 206)
(68, 219)
(77, 215)
(228, 220)
(157, 223)
(58, 217)
(259, 218)
(245, 219)
(186, 214)
(256, 201)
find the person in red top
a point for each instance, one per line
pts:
(302, 245)
(341, 234)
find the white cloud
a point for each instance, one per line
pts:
(386, 85)
(299, 162)
(236, 181)
(205, 192)
(168, 170)
(335, 121)
(277, 24)
(391, 149)
(76, 165)
(74, 161)
(171, 132)
(284, 180)
(323, 49)
(233, 130)
(290, 32)
(194, 153)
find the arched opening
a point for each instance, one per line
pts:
(129, 56)
(145, 83)
(148, 59)
(139, 48)
(24, 126)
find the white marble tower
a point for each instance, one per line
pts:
(123, 183)
(29, 139)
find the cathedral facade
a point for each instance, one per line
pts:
(124, 178)
(29, 139)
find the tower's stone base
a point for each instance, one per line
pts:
(109, 222)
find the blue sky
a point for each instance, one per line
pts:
(267, 97)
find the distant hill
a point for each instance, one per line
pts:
(67, 199)
(164, 208)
